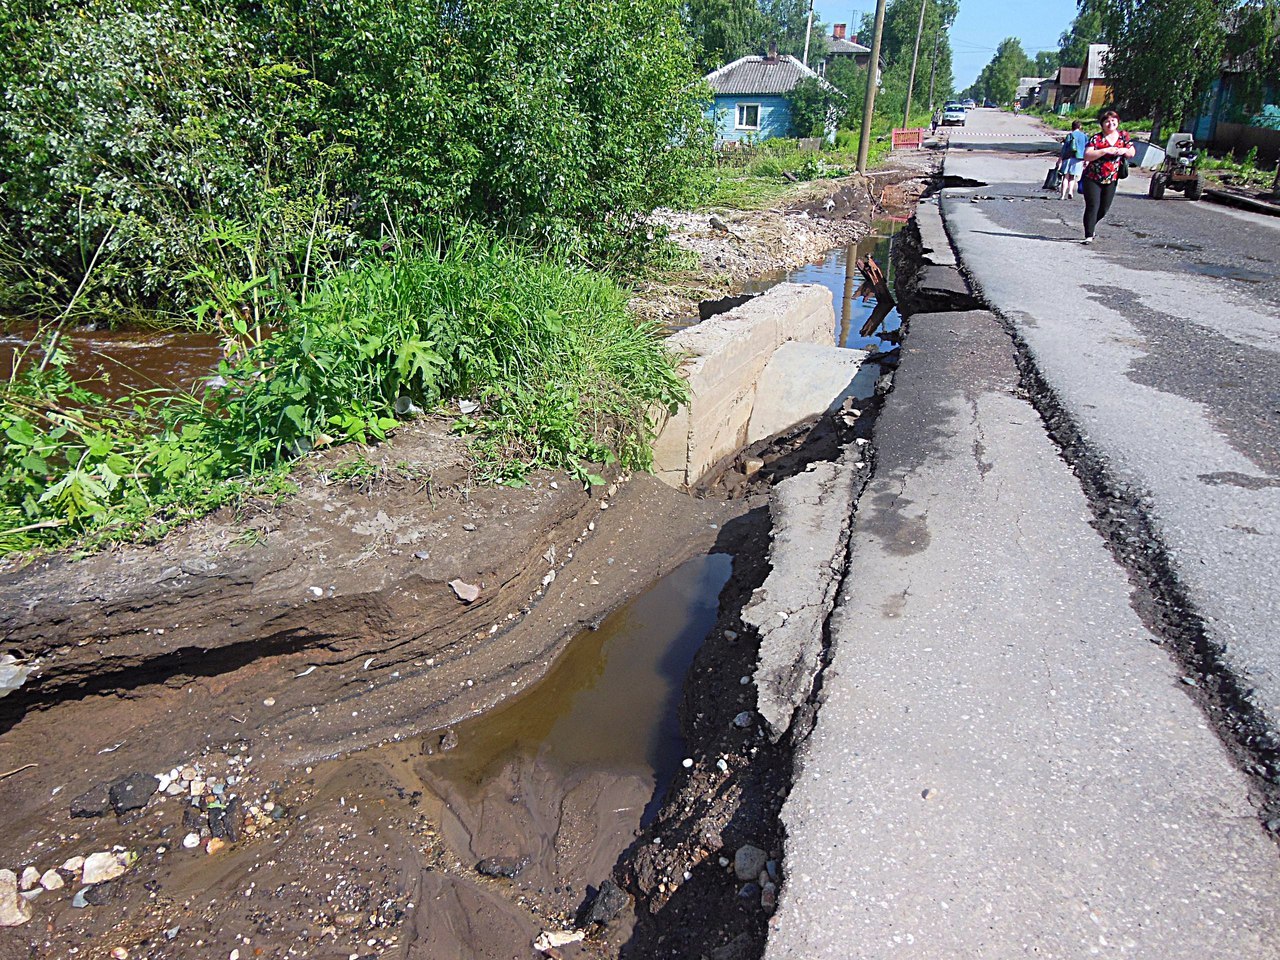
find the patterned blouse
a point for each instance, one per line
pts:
(1105, 169)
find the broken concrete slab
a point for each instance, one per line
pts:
(802, 380)
(725, 357)
(811, 519)
(935, 246)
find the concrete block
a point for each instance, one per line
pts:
(933, 235)
(801, 380)
(725, 359)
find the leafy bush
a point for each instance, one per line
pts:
(815, 107)
(563, 376)
(133, 136)
(222, 142)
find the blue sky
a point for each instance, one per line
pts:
(981, 26)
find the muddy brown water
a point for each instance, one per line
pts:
(117, 363)
(553, 784)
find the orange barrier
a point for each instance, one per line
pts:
(908, 138)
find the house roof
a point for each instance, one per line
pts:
(1095, 63)
(1027, 84)
(836, 48)
(1068, 77)
(761, 75)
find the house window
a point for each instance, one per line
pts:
(748, 116)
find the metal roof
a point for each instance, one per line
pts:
(1095, 65)
(844, 47)
(761, 75)
(1068, 76)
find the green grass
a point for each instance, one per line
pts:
(757, 177)
(563, 376)
(1246, 172)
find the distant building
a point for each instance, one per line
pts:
(1060, 88)
(840, 47)
(750, 97)
(1028, 87)
(1095, 88)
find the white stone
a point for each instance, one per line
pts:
(191, 841)
(73, 865)
(100, 867)
(52, 880)
(30, 877)
(14, 910)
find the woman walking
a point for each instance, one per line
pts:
(1102, 163)
(1073, 148)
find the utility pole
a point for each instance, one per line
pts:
(915, 58)
(808, 30)
(873, 78)
(933, 67)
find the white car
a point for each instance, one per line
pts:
(953, 115)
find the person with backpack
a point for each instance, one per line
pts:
(1072, 160)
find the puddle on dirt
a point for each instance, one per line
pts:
(548, 789)
(611, 700)
(838, 272)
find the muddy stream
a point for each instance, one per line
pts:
(472, 841)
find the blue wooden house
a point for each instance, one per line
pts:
(750, 97)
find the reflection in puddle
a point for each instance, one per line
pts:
(551, 787)
(839, 273)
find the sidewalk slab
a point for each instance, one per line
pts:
(1004, 763)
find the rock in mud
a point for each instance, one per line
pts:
(508, 867)
(749, 861)
(14, 911)
(52, 880)
(132, 792)
(466, 592)
(93, 802)
(99, 893)
(30, 877)
(610, 901)
(100, 867)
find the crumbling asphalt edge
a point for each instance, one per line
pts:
(1121, 515)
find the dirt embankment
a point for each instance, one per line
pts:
(237, 656)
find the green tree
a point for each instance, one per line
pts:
(1164, 54)
(998, 80)
(723, 30)
(1046, 64)
(1086, 28)
(815, 108)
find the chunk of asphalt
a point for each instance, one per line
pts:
(94, 802)
(811, 519)
(132, 792)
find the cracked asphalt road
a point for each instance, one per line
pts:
(1161, 342)
(1006, 760)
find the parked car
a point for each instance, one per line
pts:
(968, 104)
(953, 115)
(988, 103)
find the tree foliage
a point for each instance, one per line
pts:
(998, 80)
(1087, 27)
(725, 30)
(1164, 53)
(176, 144)
(816, 107)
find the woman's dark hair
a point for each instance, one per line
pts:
(1075, 124)
(1109, 113)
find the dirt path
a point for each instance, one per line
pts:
(262, 657)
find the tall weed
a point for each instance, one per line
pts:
(563, 376)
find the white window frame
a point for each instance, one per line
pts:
(739, 110)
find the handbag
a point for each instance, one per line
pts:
(1124, 168)
(1053, 180)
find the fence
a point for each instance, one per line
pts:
(908, 138)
